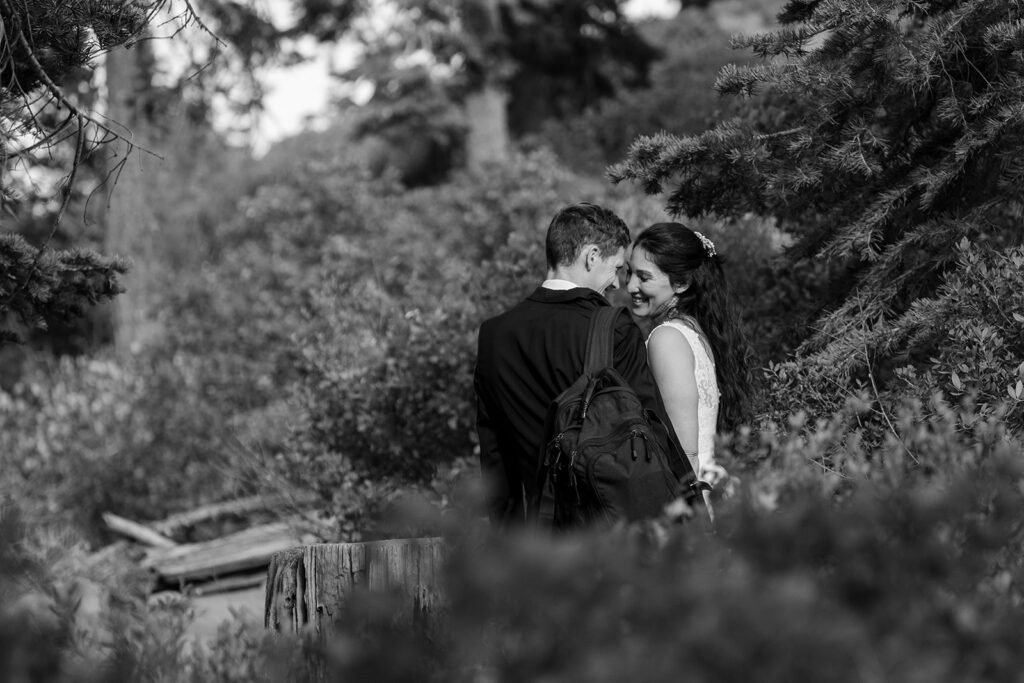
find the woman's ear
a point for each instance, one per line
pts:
(679, 289)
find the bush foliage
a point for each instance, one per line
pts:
(93, 435)
(968, 335)
(910, 568)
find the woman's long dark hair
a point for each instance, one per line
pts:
(685, 258)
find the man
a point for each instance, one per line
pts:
(528, 355)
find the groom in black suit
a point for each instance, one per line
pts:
(530, 354)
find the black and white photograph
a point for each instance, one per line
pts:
(511, 341)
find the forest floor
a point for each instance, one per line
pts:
(213, 610)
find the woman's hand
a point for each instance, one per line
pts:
(712, 473)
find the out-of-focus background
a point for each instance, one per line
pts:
(247, 246)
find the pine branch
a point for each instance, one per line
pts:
(35, 52)
(46, 285)
(787, 42)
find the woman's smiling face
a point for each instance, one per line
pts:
(649, 287)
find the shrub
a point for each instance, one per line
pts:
(389, 337)
(969, 333)
(88, 436)
(974, 330)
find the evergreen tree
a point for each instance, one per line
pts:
(47, 121)
(42, 44)
(892, 131)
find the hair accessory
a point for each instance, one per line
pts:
(709, 246)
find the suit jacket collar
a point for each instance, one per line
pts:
(557, 296)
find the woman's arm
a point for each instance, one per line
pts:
(632, 363)
(672, 363)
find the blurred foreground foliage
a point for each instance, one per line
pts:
(894, 570)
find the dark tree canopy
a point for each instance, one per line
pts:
(892, 131)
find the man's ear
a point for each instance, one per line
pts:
(591, 255)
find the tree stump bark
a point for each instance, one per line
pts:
(308, 586)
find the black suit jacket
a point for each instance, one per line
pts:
(526, 357)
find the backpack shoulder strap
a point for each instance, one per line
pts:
(601, 340)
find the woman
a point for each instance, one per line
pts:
(696, 350)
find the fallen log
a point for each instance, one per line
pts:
(307, 587)
(240, 506)
(137, 532)
(248, 549)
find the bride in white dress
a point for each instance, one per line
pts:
(696, 351)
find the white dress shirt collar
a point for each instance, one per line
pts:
(557, 284)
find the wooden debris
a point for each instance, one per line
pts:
(240, 506)
(307, 587)
(136, 531)
(248, 549)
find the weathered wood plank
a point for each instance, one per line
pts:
(306, 590)
(239, 506)
(136, 532)
(248, 549)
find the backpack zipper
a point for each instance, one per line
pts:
(647, 446)
(617, 435)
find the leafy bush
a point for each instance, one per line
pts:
(970, 334)
(88, 436)
(974, 327)
(388, 341)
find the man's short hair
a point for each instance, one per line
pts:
(580, 224)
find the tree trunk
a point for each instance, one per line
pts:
(486, 108)
(307, 587)
(488, 139)
(130, 221)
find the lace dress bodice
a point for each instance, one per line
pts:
(707, 388)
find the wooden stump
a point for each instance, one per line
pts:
(306, 587)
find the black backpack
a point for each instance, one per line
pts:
(602, 457)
